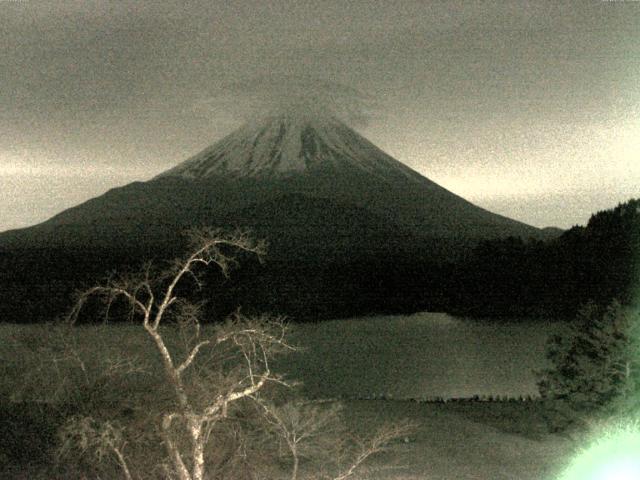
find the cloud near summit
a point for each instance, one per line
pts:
(260, 96)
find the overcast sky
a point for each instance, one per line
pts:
(529, 109)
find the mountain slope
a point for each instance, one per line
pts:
(350, 228)
(292, 143)
(281, 155)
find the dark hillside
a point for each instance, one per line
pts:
(598, 262)
(351, 230)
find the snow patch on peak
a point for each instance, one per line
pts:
(287, 142)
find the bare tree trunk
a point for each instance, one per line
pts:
(174, 453)
(198, 449)
(296, 463)
(253, 340)
(169, 367)
(123, 464)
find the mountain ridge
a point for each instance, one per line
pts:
(281, 154)
(350, 228)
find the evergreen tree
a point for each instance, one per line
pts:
(594, 365)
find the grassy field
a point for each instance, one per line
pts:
(466, 441)
(453, 441)
(417, 357)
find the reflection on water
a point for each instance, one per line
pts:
(419, 356)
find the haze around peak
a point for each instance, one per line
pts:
(530, 109)
(301, 97)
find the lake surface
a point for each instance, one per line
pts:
(420, 356)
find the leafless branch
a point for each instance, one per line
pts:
(192, 355)
(376, 444)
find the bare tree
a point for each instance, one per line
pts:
(378, 442)
(215, 369)
(315, 431)
(254, 341)
(306, 429)
(103, 439)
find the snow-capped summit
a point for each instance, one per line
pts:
(290, 142)
(297, 166)
(335, 210)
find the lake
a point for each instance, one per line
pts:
(420, 356)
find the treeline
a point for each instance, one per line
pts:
(511, 277)
(508, 278)
(319, 278)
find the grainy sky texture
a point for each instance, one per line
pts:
(529, 109)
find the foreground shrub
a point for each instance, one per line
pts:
(595, 366)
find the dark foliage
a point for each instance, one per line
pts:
(28, 432)
(312, 273)
(596, 263)
(594, 365)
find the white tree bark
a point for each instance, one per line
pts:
(253, 341)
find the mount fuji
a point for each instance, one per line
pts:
(259, 168)
(292, 143)
(323, 196)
